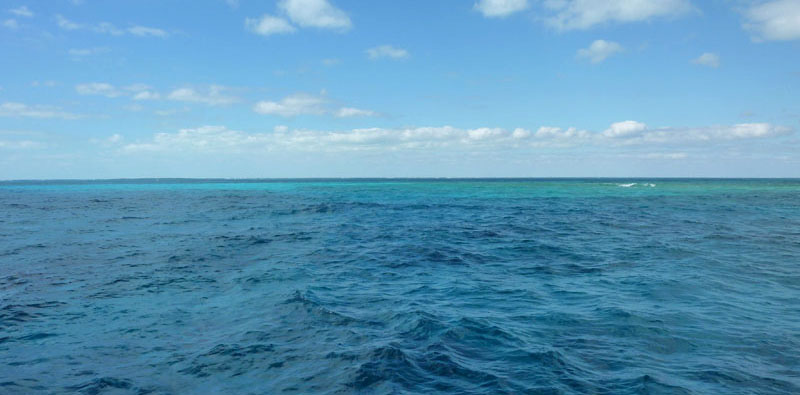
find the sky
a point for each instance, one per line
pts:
(384, 88)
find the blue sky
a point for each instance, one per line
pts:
(446, 88)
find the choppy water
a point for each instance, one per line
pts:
(503, 286)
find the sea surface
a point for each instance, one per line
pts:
(576, 286)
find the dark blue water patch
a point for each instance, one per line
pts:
(400, 286)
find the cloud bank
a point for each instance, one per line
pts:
(626, 133)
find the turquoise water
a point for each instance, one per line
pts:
(400, 286)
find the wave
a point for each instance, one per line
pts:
(633, 184)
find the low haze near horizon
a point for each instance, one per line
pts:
(450, 88)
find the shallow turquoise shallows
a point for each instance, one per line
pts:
(594, 286)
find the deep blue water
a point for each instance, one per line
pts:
(402, 286)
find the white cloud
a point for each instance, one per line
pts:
(752, 130)
(600, 50)
(584, 14)
(214, 96)
(223, 140)
(81, 52)
(67, 24)
(306, 104)
(144, 31)
(624, 129)
(663, 155)
(315, 13)
(10, 24)
(705, 134)
(146, 95)
(22, 11)
(774, 20)
(331, 61)
(268, 25)
(98, 88)
(707, 59)
(171, 112)
(347, 112)
(558, 137)
(114, 139)
(290, 106)
(500, 8)
(20, 144)
(48, 83)
(137, 87)
(108, 28)
(135, 91)
(387, 51)
(12, 109)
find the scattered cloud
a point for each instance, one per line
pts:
(500, 8)
(47, 84)
(144, 31)
(146, 95)
(348, 112)
(315, 13)
(109, 28)
(98, 89)
(20, 144)
(290, 106)
(331, 62)
(387, 51)
(585, 14)
(707, 59)
(22, 11)
(268, 25)
(224, 140)
(774, 20)
(83, 52)
(10, 24)
(599, 51)
(213, 96)
(306, 104)
(21, 110)
(142, 92)
(114, 139)
(67, 24)
(135, 91)
(171, 112)
(319, 14)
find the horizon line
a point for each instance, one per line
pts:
(267, 179)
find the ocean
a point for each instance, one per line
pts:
(551, 286)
